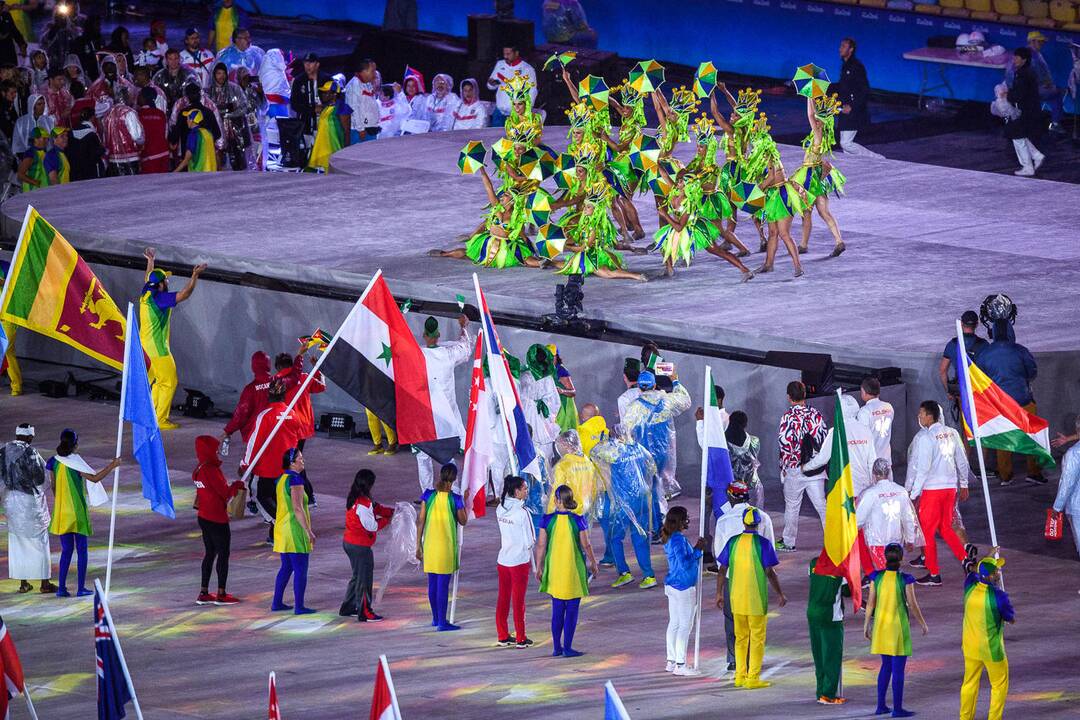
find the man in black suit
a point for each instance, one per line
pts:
(853, 90)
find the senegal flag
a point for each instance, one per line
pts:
(51, 290)
(840, 555)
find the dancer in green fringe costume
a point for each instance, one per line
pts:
(729, 172)
(817, 176)
(783, 198)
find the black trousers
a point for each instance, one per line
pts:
(266, 499)
(216, 539)
(358, 593)
(308, 489)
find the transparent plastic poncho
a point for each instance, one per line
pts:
(398, 546)
(626, 469)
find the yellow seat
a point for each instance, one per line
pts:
(1035, 9)
(1075, 27)
(981, 6)
(955, 12)
(949, 4)
(873, 3)
(928, 9)
(1063, 11)
(1007, 7)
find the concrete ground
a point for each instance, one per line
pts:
(195, 662)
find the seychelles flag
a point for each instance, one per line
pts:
(714, 447)
(999, 420)
(522, 451)
(839, 556)
(375, 358)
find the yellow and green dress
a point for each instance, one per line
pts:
(289, 533)
(71, 512)
(440, 536)
(781, 201)
(490, 250)
(200, 144)
(22, 21)
(564, 562)
(226, 20)
(9, 360)
(56, 161)
(331, 135)
(596, 234)
(155, 313)
(892, 630)
(37, 170)
(715, 204)
(986, 609)
(697, 234)
(747, 556)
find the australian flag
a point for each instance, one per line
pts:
(113, 693)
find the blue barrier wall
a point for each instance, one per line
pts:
(757, 37)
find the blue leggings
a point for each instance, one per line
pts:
(69, 542)
(892, 666)
(564, 614)
(438, 593)
(293, 565)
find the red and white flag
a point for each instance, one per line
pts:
(478, 441)
(274, 713)
(384, 700)
(11, 667)
(375, 358)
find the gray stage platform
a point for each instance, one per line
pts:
(925, 243)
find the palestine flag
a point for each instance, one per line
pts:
(840, 556)
(375, 358)
(51, 290)
(1002, 424)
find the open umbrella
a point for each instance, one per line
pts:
(550, 240)
(594, 90)
(811, 81)
(660, 186)
(644, 152)
(562, 58)
(501, 149)
(535, 164)
(472, 157)
(647, 76)
(747, 195)
(538, 203)
(705, 80)
(564, 170)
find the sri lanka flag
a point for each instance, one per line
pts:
(522, 451)
(375, 358)
(839, 556)
(998, 419)
(51, 290)
(714, 447)
(478, 440)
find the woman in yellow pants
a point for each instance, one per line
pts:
(378, 428)
(986, 610)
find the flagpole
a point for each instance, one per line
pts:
(119, 650)
(701, 514)
(962, 354)
(15, 253)
(119, 446)
(453, 588)
(307, 380)
(390, 685)
(498, 396)
(29, 703)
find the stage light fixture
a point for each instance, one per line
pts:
(569, 304)
(337, 425)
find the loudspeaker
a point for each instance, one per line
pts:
(817, 369)
(887, 375)
(488, 35)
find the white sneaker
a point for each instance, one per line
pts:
(685, 671)
(1025, 171)
(1037, 160)
(670, 667)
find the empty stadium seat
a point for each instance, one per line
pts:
(953, 8)
(1063, 11)
(1035, 9)
(928, 9)
(873, 3)
(1007, 7)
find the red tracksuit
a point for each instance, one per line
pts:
(294, 378)
(253, 399)
(154, 154)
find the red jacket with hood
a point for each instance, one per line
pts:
(212, 492)
(293, 378)
(253, 399)
(269, 464)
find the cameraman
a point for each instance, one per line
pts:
(1012, 368)
(973, 344)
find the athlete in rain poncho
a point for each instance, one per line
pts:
(275, 83)
(1068, 494)
(24, 481)
(578, 473)
(440, 105)
(627, 470)
(650, 418)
